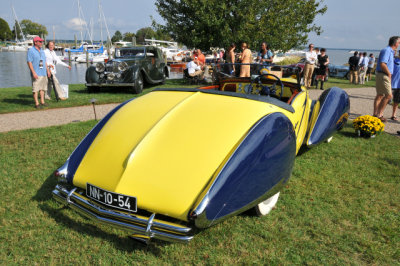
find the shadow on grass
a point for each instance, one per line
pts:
(44, 195)
(115, 90)
(19, 101)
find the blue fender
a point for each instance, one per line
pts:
(261, 163)
(333, 114)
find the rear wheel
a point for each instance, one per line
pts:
(138, 88)
(164, 77)
(267, 205)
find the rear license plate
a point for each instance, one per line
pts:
(112, 199)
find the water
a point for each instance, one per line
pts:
(14, 70)
(341, 56)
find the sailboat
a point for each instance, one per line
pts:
(96, 53)
(20, 46)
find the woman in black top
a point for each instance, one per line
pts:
(323, 61)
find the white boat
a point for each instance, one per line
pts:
(20, 46)
(92, 58)
(123, 44)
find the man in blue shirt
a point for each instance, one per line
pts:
(384, 71)
(36, 60)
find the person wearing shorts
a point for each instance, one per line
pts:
(245, 59)
(36, 60)
(371, 64)
(396, 86)
(384, 71)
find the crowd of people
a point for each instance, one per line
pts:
(197, 67)
(315, 68)
(42, 65)
(360, 67)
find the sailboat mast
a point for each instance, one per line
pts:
(16, 19)
(101, 24)
(80, 20)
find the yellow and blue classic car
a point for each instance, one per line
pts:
(163, 164)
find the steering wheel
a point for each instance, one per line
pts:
(266, 90)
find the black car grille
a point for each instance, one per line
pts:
(112, 67)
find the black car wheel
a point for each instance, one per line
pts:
(164, 77)
(138, 88)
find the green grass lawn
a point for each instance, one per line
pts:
(341, 206)
(20, 99)
(345, 84)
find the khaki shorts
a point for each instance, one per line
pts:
(39, 84)
(244, 71)
(383, 84)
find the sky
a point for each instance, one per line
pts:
(352, 24)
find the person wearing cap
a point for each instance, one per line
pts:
(52, 60)
(36, 60)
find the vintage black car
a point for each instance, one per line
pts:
(131, 67)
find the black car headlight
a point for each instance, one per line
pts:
(122, 66)
(110, 76)
(100, 67)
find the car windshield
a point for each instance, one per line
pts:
(131, 52)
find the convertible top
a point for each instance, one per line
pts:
(254, 97)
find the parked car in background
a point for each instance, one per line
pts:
(132, 67)
(337, 71)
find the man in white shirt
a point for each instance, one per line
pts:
(363, 67)
(52, 60)
(194, 68)
(311, 57)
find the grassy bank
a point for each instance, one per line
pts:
(20, 99)
(341, 206)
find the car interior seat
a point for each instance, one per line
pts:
(190, 79)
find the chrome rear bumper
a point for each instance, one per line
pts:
(141, 228)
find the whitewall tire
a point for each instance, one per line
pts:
(267, 205)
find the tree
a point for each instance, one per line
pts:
(33, 28)
(116, 37)
(145, 33)
(214, 23)
(5, 32)
(128, 36)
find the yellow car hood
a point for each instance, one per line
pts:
(163, 148)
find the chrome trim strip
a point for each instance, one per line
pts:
(147, 228)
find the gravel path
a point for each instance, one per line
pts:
(361, 103)
(51, 117)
